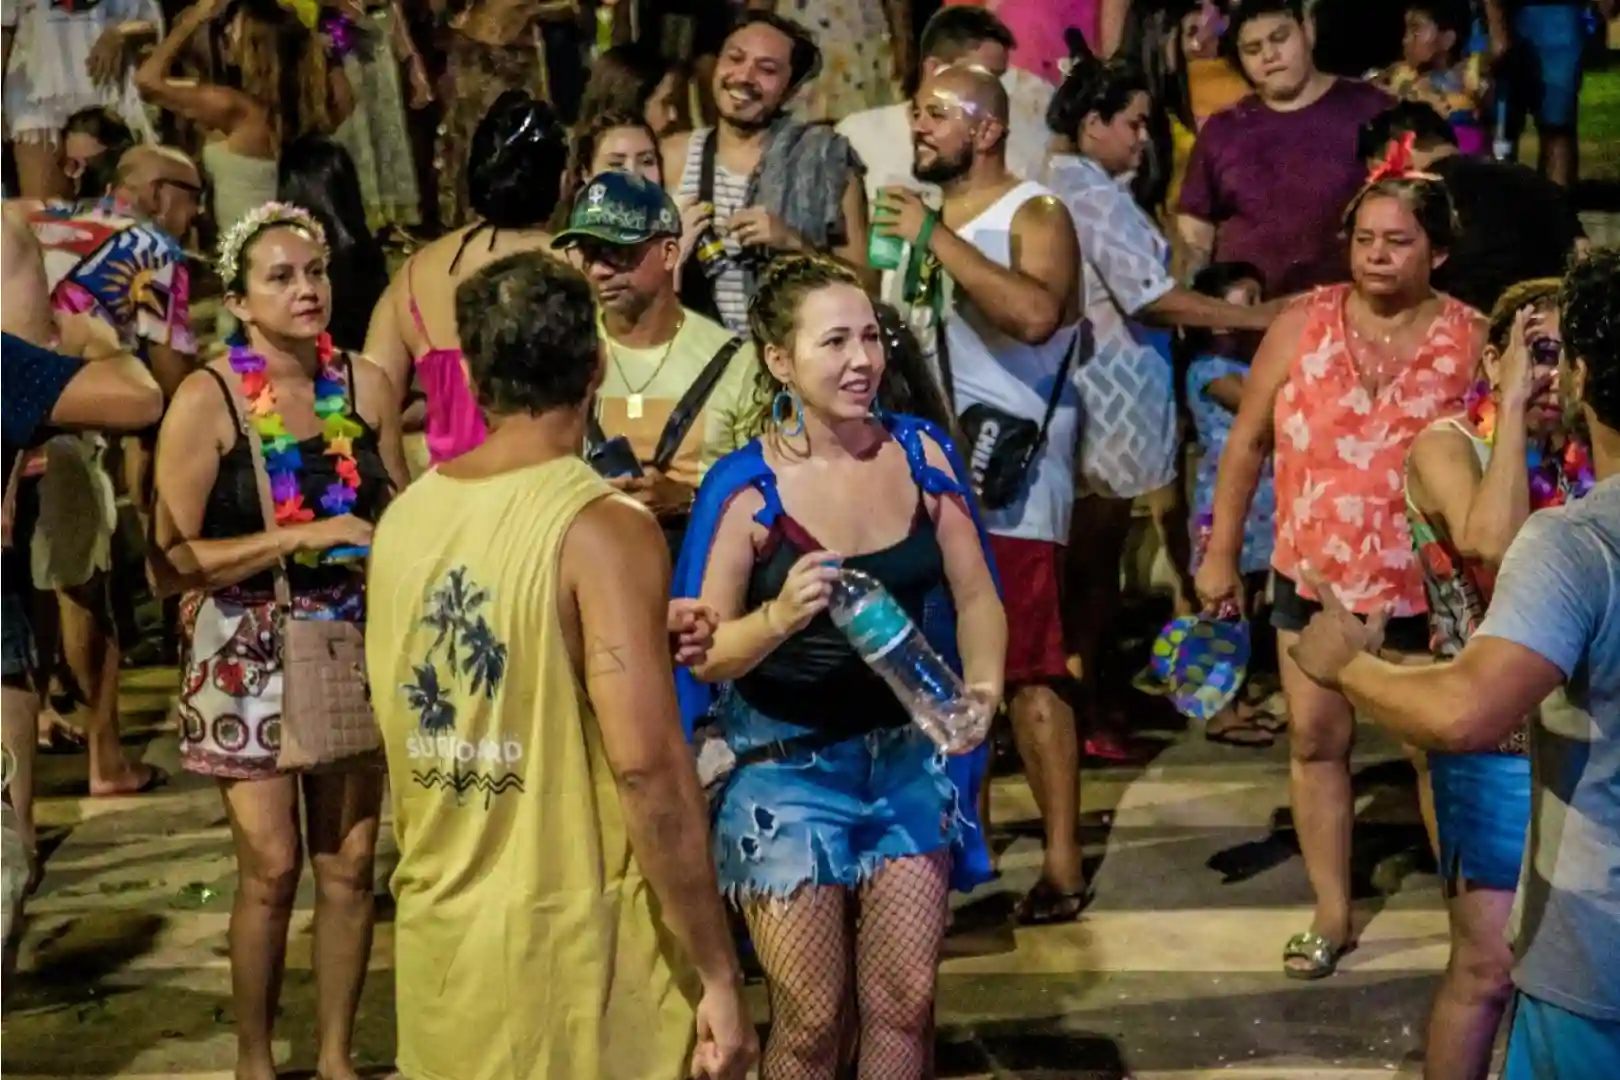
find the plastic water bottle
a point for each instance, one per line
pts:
(885, 637)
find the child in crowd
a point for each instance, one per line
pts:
(1219, 364)
(1435, 69)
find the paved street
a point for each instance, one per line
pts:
(1173, 975)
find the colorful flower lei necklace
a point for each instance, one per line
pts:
(1554, 480)
(282, 458)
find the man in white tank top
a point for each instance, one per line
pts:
(1011, 313)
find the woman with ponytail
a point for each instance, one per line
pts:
(834, 834)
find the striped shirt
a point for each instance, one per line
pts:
(730, 191)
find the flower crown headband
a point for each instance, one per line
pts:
(268, 216)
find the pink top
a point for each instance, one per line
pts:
(1341, 454)
(454, 422)
(1039, 24)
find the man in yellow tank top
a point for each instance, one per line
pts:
(558, 915)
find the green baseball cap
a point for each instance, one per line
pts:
(620, 208)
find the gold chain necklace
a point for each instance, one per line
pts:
(634, 401)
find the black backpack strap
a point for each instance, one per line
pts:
(1082, 343)
(697, 289)
(686, 410)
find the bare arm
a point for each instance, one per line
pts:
(1226, 391)
(1249, 442)
(195, 432)
(1111, 26)
(216, 108)
(672, 151)
(853, 249)
(112, 394)
(1470, 704)
(374, 386)
(1482, 510)
(1183, 307)
(386, 346)
(624, 635)
(742, 639)
(981, 622)
(1198, 240)
(1031, 300)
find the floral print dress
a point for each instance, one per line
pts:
(1340, 453)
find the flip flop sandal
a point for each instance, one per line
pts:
(1048, 905)
(1316, 950)
(1259, 716)
(1247, 735)
(63, 739)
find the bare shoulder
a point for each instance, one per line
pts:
(369, 376)
(614, 530)
(1042, 214)
(673, 150)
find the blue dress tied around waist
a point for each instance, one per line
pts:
(745, 467)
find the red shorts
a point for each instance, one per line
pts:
(1030, 571)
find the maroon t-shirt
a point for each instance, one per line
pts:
(1275, 184)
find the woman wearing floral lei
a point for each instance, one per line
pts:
(1471, 481)
(329, 427)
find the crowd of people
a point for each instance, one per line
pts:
(526, 525)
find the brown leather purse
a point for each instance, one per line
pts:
(326, 717)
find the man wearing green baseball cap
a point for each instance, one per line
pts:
(674, 379)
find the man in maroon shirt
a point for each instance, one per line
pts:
(1269, 178)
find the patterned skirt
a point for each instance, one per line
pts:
(230, 689)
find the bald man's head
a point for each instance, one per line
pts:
(162, 183)
(959, 115)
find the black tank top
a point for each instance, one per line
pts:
(814, 678)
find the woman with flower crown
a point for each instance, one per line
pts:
(1471, 482)
(327, 426)
(1343, 383)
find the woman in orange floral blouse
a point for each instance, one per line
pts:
(1343, 383)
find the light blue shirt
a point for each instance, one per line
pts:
(1558, 595)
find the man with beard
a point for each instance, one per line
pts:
(759, 182)
(674, 377)
(1005, 354)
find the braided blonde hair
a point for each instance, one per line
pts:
(773, 320)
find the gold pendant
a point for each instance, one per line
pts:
(632, 406)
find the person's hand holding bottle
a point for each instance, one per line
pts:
(805, 594)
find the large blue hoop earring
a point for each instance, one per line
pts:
(786, 403)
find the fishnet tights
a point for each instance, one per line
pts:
(807, 947)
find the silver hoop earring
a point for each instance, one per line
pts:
(785, 405)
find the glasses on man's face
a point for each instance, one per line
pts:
(617, 257)
(196, 191)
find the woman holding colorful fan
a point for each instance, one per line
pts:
(1471, 481)
(272, 465)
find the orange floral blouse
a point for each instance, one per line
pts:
(1341, 454)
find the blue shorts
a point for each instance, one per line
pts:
(829, 818)
(1549, 1043)
(1545, 81)
(1482, 808)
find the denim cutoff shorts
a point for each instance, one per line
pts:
(20, 660)
(833, 817)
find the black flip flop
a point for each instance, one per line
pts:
(1048, 905)
(1249, 736)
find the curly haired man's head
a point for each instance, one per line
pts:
(1589, 304)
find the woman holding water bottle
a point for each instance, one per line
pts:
(838, 801)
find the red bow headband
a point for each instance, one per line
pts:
(1397, 163)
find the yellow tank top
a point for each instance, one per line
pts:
(526, 946)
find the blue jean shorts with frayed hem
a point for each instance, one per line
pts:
(833, 817)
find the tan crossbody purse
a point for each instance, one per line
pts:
(326, 717)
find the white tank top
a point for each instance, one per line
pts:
(991, 368)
